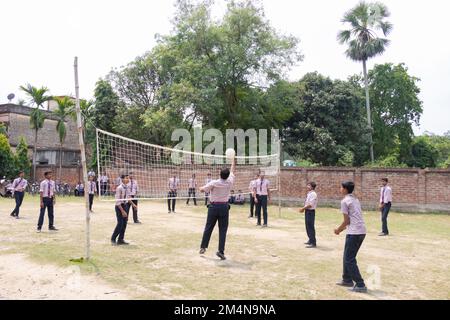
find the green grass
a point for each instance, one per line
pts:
(163, 260)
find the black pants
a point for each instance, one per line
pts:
(216, 213)
(172, 199)
(135, 211)
(262, 203)
(122, 222)
(103, 188)
(18, 196)
(191, 193)
(252, 205)
(91, 201)
(48, 204)
(206, 198)
(310, 217)
(384, 217)
(351, 270)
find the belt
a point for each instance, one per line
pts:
(219, 202)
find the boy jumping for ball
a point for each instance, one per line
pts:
(356, 233)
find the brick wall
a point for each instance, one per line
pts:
(413, 189)
(68, 174)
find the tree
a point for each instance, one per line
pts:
(65, 108)
(21, 156)
(423, 154)
(214, 71)
(7, 165)
(327, 126)
(106, 104)
(3, 129)
(38, 96)
(364, 21)
(442, 145)
(396, 107)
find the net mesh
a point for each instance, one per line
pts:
(152, 166)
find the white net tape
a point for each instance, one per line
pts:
(152, 166)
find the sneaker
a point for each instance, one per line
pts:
(307, 243)
(358, 289)
(221, 256)
(250, 217)
(137, 222)
(38, 230)
(122, 243)
(170, 211)
(311, 246)
(382, 234)
(202, 251)
(12, 214)
(52, 229)
(343, 283)
(264, 226)
(258, 224)
(113, 243)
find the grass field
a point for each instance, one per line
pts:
(162, 261)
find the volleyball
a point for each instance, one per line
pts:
(230, 154)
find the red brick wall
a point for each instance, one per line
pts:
(68, 175)
(413, 189)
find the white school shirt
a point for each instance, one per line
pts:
(133, 187)
(19, 184)
(387, 192)
(219, 190)
(104, 179)
(262, 187)
(192, 183)
(122, 194)
(47, 188)
(173, 183)
(311, 199)
(252, 186)
(92, 187)
(351, 206)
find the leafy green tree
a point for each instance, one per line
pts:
(22, 160)
(423, 154)
(7, 163)
(396, 107)
(106, 104)
(363, 21)
(65, 108)
(327, 126)
(37, 96)
(442, 145)
(3, 129)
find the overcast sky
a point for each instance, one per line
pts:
(39, 40)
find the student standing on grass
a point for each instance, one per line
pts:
(192, 187)
(123, 203)
(251, 188)
(310, 214)
(92, 190)
(134, 189)
(19, 185)
(218, 209)
(385, 205)
(172, 196)
(103, 184)
(356, 233)
(261, 196)
(48, 200)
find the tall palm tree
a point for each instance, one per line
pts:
(64, 109)
(364, 21)
(38, 96)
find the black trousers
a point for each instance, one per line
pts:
(103, 188)
(216, 213)
(172, 199)
(206, 198)
(252, 205)
(262, 203)
(351, 271)
(122, 222)
(384, 217)
(48, 204)
(91, 201)
(310, 217)
(135, 211)
(18, 196)
(191, 193)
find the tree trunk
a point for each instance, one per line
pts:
(34, 153)
(369, 114)
(60, 162)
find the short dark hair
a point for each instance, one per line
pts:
(313, 185)
(225, 173)
(21, 171)
(385, 179)
(349, 186)
(124, 176)
(46, 173)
